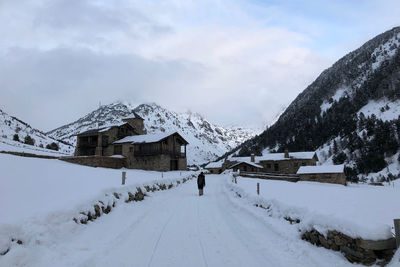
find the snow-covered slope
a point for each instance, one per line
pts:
(206, 140)
(9, 126)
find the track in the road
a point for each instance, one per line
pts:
(178, 228)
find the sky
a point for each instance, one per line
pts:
(235, 62)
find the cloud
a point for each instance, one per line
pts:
(236, 62)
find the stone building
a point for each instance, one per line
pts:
(214, 167)
(333, 174)
(244, 166)
(284, 163)
(127, 145)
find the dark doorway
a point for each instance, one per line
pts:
(174, 165)
(276, 167)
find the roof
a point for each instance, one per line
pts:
(276, 156)
(146, 138)
(292, 155)
(102, 129)
(214, 165)
(321, 169)
(134, 115)
(249, 163)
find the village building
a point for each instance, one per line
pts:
(244, 166)
(214, 167)
(127, 145)
(284, 163)
(333, 174)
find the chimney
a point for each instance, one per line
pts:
(252, 158)
(286, 153)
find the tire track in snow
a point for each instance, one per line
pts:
(198, 235)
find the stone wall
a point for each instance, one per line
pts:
(154, 163)
(95, 161)
(288, 166)
(357, 250)
(30, 155)
(332, 178)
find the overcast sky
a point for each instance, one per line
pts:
(235, 62)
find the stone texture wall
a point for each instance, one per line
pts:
(182, 164)
(332, 178)
(357, 250)
(289, 166)
(95, 161)
(214, 170)
(155, 163)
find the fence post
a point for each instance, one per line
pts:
(235, 180)
(258, 188)
(123, 177)
(397, 231)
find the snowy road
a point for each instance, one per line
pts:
(178, 228)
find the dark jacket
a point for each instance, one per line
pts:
(201, 181)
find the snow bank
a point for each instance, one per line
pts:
(31, 187)
(38, 197)
(356, 210)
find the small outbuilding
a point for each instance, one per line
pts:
(333, 174)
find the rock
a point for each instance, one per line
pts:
(97, 210)
(116, 195)
(323, 241)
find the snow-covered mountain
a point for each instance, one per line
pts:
(206, 140)
(349, 114)
(11, 126)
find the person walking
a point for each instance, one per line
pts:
(201, 183)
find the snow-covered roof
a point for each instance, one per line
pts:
(281, 156)
(321, 169)
(134, 115)
(276, 156)
(102, 129)
(214, 165)
(145, 138)
(249, 163)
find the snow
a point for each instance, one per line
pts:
(9, 126)
(214, 165)
(13, 146)
(170, 228)
(336, 97)
(31, 187)
(207, 140)
(356, 210)
(250, 163)
(385, 51)
(144, 138)
(375, 106)
(275, 156)
(321, 169)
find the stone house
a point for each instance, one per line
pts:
(333, 174)
(161, 152)
(284, 163)
(244, 166)
(127, 145)
(214, 167)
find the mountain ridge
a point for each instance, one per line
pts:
(207, 141)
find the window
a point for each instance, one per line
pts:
(269, 166)
(131, 149)
(276, 167)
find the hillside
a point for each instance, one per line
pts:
(350, 113)
(206, 140)
(12, 127)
